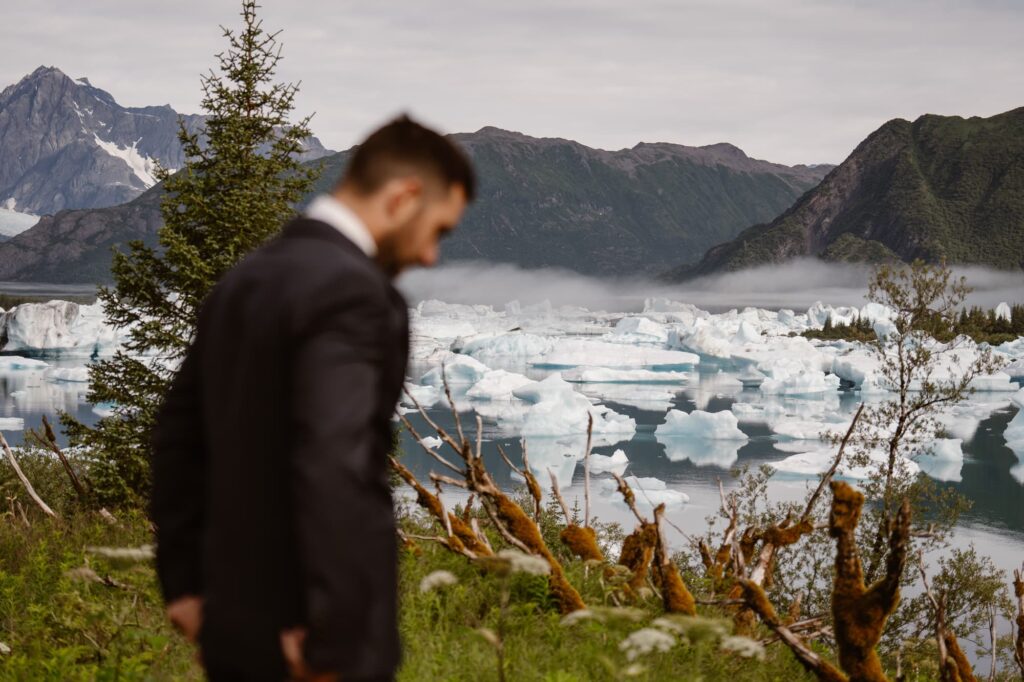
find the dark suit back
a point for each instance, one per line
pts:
(271, 492)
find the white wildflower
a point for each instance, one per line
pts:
(579, 615)
(633, 670)
(668, 625)
(437, 579)
(644, 641)
(4, 649)
(520, 562)
(744, 646)
(143, 553)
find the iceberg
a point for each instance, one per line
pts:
(458, 370)
(59, 326)
(567, 353)
(497, 385)
(816, 462)
(12, 424)
(701, 425)
(944, 460)
(702, 452)
(72, 374)
(602, 464)
(648, 491)
(803, 383)
(603, 375)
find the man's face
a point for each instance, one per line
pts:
(429, 216)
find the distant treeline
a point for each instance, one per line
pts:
(979, 324)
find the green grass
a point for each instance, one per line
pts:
(63, 622)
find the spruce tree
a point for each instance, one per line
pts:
(240, 182)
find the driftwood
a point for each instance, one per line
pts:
(49, 441)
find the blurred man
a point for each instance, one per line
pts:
(276, 543)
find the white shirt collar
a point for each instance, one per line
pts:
(327, 209)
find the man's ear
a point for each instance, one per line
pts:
(403, 199)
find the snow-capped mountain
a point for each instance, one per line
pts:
(67, 144)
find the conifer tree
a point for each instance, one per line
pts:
(240, 182)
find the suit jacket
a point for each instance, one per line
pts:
(270, 479)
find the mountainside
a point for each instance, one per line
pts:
(66, 144)
(546, 202)
(940, 187)
(542, 202)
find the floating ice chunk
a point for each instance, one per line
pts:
(646, 396)
(16, 362)
(520, 345)
(818, 462)
(59, 325)
(804, 383)
(998, 381)
(819, 313)
(1018, 398)
(459, 369)
(603, 375)
(751, 377)
(638, 330)
(426, 396)
(1014, 432)
(72, 374)
(944, 460)
(12, 424)
(704, 339)
(647, 491)
(559, 410)
(616, 463)
(431, 442)
(1003, 311)
(497, 385)
(103, 409)
(586, 352)
(747, 334)
(701, 425)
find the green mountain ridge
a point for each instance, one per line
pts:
(542, 202)
(940, 187)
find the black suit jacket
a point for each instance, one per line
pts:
(270, 480)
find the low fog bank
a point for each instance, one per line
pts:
(796, 285)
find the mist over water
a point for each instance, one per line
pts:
(796, 285)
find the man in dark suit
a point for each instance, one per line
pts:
(276, 546)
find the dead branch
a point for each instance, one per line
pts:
(675, 595)
(24, 479)
(437, 456)
(1018, 642)
(757, 600)
(50, 443)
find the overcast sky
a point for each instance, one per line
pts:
(792, 81)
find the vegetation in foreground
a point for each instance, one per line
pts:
(79, 600)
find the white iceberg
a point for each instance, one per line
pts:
(701, 425)
(944, 459)
(616, 463)
(603, 375)
(458, 370)
(497, 385)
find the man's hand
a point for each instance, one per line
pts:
(292, 641)
(186, 614)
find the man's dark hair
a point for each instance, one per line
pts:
(401, 147)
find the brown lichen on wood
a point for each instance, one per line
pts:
(582, 542)
(957, 668)
(637, 552)
(675, 596)
(461, 531)
(527, 532)
(860, 612)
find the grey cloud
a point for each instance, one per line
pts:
(792, 81)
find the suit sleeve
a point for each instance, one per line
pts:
(344, 521)
(177, 503)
